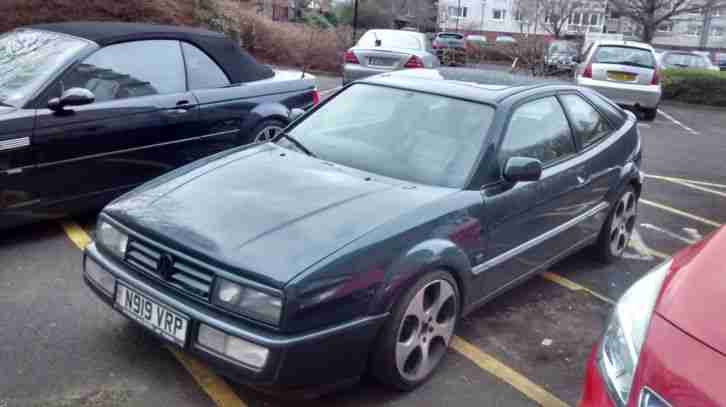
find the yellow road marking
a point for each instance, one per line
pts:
(680, 212)
(76, 233)
(569, 284)
(217, 389)
(690, 181)
(506, 373)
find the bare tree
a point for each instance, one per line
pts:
(649, 14)
(557, 13)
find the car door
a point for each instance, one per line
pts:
(18, 187)
(529, 224)
(134, 130)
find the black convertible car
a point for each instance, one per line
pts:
(89, 110)
(384, 214)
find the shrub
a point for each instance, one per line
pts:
(695, 86)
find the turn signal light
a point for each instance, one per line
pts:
(414, 62)
(656, 78)
(350, 58)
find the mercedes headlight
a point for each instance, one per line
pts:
(626, 333)
(248, 301)
(112, 238)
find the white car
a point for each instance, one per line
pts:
(624, 71)
(685, 60)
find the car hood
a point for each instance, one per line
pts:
(694, 294)
(265, 212)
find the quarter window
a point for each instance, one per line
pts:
(130, 69)
(538, 130)
(588, 124)
(202, 71)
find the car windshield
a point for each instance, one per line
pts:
(28, 58)
(391, 39)
(563, 48)
(621, 55)
(412, 136)
(687, 61)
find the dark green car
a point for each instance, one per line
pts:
(362, 235)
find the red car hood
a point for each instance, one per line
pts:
(694, 294)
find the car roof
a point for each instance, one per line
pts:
(477, 85)
(624, 43)
(237, 64)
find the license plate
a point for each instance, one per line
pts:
(621, 76)
(381, 61)
(154, 316)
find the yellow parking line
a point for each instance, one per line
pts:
(571, 285)
(217, 389)
(506, 373)
(680, 212)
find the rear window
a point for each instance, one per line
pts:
(454, 36)
(622, 55)
(686, 61)
(391, 39)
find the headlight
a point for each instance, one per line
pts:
(248, 301)
(111, 238)
(626, 333)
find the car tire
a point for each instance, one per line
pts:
(650, 114)
(417, 334)
(264, 131)
(618, 227)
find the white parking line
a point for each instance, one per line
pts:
(698, 185)
(677, 122)
(668, 233)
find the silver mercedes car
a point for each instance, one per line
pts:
(624, 71)
(380, 51)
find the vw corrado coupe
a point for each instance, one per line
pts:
(362, 235)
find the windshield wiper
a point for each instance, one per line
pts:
(296, 143)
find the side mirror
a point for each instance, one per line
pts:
(72, 97)
(295, 114)
(522, 169)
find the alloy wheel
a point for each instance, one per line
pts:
(267, 134)
(623, 223)
(426, 329)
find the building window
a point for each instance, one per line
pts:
(518, 15)
(717, 31)
(694, 30)
(499, 14)
(665, 27)
(594, 19)
(575, 18)
(458, 12)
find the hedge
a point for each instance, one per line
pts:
(695, 86)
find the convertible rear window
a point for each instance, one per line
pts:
(622, 55)
(413, 136)
(453, 36)
(391, 39)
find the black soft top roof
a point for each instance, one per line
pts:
(238, 64)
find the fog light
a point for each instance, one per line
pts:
(232, 347)
(100, 277)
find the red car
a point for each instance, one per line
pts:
(665, 344)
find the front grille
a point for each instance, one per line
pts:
(186, 277)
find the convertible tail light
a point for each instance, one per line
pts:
(350, 58)
(588, 71)
(316, 96)
(656, 78)
(414, 62)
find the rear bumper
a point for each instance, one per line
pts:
(298, 364)
(639, 96)
(353, 72)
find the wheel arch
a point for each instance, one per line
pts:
(262, 112)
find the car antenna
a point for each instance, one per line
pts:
(307, 53)
(378, 40)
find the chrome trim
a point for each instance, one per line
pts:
(493, 262)
(641, 398)
(127, 150)
(13, 143)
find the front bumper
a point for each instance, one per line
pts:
(625, 94)
(304, 364)
(594, 392)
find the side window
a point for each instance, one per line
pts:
(130, 69)
(538, 130)
(588, 124)
(202, 71)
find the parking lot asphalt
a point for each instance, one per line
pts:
(60, 346)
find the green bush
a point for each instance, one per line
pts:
(695, 86)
